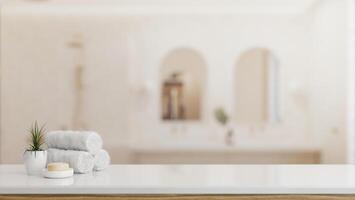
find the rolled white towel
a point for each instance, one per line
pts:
(102, 160)
(80, 161)
(74, 140)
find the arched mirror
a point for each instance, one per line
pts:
(182, 79)
(257, 87)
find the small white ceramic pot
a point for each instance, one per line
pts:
(35, 161)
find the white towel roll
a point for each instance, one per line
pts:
(102, 160)
(80, 161)
(74, 140)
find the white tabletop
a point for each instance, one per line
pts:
(188, 179)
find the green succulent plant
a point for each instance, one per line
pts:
(36, 137)
(221, 116)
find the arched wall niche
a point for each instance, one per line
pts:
(257, 87)
(182, 80)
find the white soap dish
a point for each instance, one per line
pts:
(58, 174)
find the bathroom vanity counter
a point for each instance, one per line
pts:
(223, 148)
(187, 180)
(195, 153)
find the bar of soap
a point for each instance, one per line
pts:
(57, 166)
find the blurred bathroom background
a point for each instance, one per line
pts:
(183, 81)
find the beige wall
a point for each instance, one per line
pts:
(124, 51)
(38, 79)
(329, 80)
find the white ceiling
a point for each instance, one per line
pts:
(163, 6)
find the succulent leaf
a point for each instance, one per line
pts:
(36, 137)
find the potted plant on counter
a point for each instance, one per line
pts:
(223, 119)
(35, 157)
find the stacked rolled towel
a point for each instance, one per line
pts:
(102, 160)
(81, 149)
(80, 161)
(74, 140)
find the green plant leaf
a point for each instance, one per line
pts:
(221, 116)
(36, 137)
